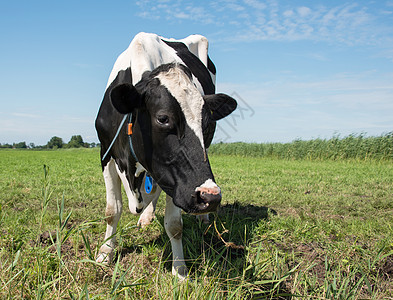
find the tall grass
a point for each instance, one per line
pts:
(354, 146)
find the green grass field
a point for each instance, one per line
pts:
(312, 228)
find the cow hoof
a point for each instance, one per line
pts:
(104, 258)
(145, 221)
(181, 273)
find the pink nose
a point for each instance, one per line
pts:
(214, 190)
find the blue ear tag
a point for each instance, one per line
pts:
(148, 184)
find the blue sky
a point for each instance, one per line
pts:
(299, 69)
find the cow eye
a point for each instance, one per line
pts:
(163, 119)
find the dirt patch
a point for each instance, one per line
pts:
(307, 254)
(144, 265)
(387, 267)
(249, 210)
(46, 237)
(49, 238)
(312, 253)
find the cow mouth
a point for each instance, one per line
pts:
(205, 202)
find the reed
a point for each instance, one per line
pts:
(354, 146)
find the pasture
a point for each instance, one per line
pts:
(313, 228)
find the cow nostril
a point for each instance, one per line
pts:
(198, 196)
(206, 202)
(209, 198)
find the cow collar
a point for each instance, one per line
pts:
(149, 182)
(129, 133)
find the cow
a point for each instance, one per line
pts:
(155, 123)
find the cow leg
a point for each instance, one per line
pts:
(112, 213)
(174, 228)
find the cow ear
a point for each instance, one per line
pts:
(221, 105)
(125, 98)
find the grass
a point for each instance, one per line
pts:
(354, 146)
(317, 228)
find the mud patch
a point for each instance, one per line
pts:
(46, 237)
(312, 253)
(142, 264)
(249, 210)
(387, 267)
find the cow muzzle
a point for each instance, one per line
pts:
(208, 197)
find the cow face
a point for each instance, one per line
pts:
(173, 126)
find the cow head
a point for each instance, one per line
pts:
(173, 126)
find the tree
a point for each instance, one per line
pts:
(55, 142)
(6, 146)
(76, 141)
(21, 145)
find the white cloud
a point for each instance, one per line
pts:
(255, 4)
(303, 11)
(252, 20)
(181, 15)
(25, 115)
(174, 11)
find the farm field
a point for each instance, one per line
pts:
(317, 229)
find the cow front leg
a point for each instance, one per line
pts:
(112, 213)
(174, 228)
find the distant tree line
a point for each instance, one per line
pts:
(55, 142)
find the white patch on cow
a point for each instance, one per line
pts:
(139, 169)
(209, 186)
(122, 63)
(188, 97)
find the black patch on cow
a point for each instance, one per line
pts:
(195, 65)
(210, 65)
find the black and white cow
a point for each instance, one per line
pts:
(166, 88)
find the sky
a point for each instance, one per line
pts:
(298, 69)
